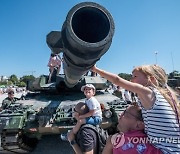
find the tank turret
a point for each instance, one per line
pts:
(85, 36)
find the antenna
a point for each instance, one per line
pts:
(32, 72)
(172, 61)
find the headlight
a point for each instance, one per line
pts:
(107, 114)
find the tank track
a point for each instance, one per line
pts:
(14, 141)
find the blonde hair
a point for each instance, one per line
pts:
(161, 84)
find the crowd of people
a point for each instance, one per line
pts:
(16, 89)
(153, 117)
(122, 93)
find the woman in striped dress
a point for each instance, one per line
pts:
(160, 106)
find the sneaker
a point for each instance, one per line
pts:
(64, 136)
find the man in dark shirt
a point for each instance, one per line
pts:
(85, 141)
(8, 100)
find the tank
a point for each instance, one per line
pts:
(85, 37)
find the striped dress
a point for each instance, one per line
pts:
(161, 125)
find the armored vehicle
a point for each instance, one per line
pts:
(47, 109)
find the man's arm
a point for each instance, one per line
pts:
(75, 146)
(108, 149)
(77, 149)
(16, 99)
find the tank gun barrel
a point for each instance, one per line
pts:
(85, 36)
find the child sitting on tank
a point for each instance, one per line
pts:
(94, 116)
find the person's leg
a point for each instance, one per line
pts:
(90, 120)
(50, 74)
(93, 120)
(58, 70)
(78, 125)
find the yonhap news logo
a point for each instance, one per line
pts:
(119, 140)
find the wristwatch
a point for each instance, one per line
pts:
(72, 142)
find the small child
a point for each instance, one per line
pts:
(131, 137)
(94, 116)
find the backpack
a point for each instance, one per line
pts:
(101, 134)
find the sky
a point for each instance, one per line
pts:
(146, 32)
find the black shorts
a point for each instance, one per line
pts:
(86, 139)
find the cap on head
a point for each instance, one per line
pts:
(88, 86)
(82, 108)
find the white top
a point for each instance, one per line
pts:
(161, 125)
(93, 104)
(127, 96)
(54, 61)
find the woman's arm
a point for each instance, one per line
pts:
(144, 93)
(133, 87)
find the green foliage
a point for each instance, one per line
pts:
(125, 76)
(27, 78)
(172, 75)
(9, 83)
(22, 84)
(13, 78)
(3, 83)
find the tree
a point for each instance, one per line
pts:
(9, 83)
(22, 84)
(13, 78)
(27, 78)
(125, 76)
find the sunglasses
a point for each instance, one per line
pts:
(10, 93)
(125, 112)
